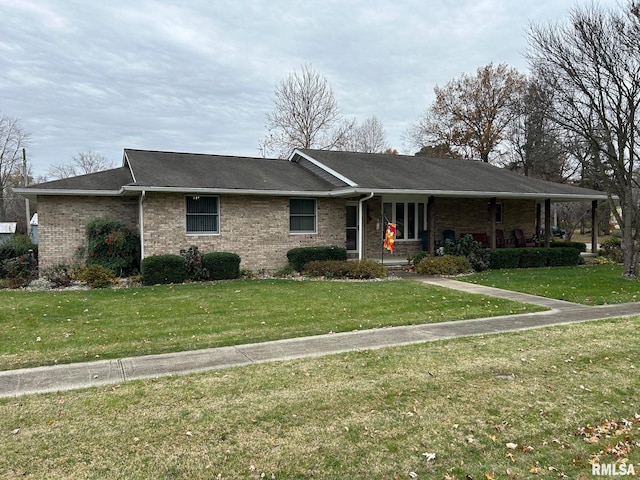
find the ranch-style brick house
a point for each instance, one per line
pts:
(261, 208)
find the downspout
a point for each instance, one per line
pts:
(361, 225)
(141, 221)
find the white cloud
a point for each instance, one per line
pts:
(200, 75)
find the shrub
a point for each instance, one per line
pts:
(113, 245)
(611, 249)
(160, 269)
(360, 269)
(20, 271)
(299, 257)
(444, 265)
(504, 258)
(59, 275)
(564, 257)
(470, 249)
(221, 265)
(96, 276)
(17, 246)
(533, 257)
(418, 257)
(195, 270)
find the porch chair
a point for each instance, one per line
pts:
(521, 240)
(500, 240)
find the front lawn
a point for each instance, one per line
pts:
(44, 328)
(589, 285)
(544, 403)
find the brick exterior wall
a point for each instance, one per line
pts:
(62, 221)
(254, 227)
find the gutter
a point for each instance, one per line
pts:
(361, 225)
(141, 220)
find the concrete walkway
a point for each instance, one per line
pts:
(104, 372)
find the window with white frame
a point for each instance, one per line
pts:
(203, 214)
(410, 218)
(302, 215)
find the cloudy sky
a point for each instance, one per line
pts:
(199, 75)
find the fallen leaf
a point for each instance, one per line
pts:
(429, 456)
(512, 446)
(16, 431)
(413, 474)
(489, 476)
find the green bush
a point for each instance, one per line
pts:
(221, 265)
(19, 271)
(611, 249)
(360, 269)
(445, 265)
(418, 257)
(533, 257)
(160, 269)
(300, 256)
(504, 258)
(470, 249)
(113, 245)
(17, 246)
(96, 276)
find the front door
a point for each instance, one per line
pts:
(352, 227)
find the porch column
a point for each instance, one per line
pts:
(547, 223)
(492, 215)
(431, 226)
(594, 226)
(538, 219)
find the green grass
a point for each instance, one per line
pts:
(589, 285)
(44, 328)
(359, 415)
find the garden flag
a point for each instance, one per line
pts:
(390, 237)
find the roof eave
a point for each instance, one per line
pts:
(34, 192)
(221, 191)
(561, 197)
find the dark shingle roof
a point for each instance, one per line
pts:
(192, 171)
(378, 172)
(316, 172)
(107, 180)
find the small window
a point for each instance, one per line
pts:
(203, 214)
(302, 215)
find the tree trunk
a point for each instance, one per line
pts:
(630, 269)
(629, 252)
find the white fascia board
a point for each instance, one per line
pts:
(32, 192)
(561, 197)
(127, 163)
(321, 165)
(233, 191)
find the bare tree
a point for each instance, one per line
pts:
(592, 63)
(471, 113)
(81, 164)
(538, 145)
(368, 137)
(305, 115)
(12, 140)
